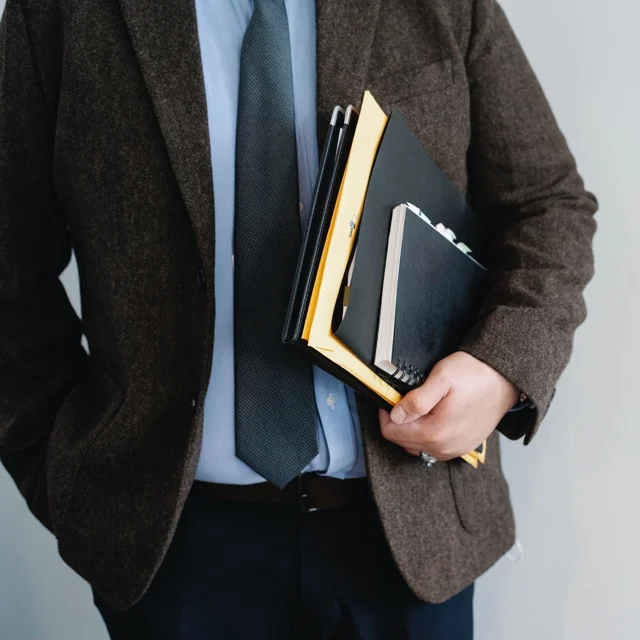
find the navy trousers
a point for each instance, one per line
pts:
(245, 571)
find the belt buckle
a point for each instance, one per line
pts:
(303, 496)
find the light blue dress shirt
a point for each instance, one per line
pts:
(221, 28)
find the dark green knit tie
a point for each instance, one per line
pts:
(275, 402)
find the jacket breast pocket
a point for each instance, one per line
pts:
(480, 494)
(89, 407)
(391, 86)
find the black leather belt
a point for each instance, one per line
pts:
(309, 491)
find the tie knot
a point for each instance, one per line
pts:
(269, 10)
(266, 3)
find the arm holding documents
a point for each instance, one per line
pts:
(524, 181)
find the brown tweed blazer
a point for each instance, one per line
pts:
(104, 148)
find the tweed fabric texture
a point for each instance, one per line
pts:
(106, 149)
(275, 402)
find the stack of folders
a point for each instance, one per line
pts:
(392, 269)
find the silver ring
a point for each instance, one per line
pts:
(427, 459)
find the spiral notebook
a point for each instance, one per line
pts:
(431, 290)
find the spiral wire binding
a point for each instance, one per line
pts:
(406, 372)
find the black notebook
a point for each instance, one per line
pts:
(431, 290)
(403, 172)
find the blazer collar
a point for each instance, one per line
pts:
(164, 36)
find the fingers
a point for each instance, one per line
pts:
(426, 431)
(429, 433)
(419, 402)
(425, 434)
(418, 433)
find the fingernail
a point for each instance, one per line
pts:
(398, 415)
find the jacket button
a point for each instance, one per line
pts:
(201, 279)
(193, 403)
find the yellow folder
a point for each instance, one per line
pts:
(338, 247)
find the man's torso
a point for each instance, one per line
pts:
(132, 171)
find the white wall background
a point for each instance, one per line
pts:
(575, 487)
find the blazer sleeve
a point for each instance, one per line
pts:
(40, 350)
(523, 178)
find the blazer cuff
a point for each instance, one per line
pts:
(509, 344)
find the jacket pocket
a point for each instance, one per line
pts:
(90, 406)
(480, 494)
(395, 86)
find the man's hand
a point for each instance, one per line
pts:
(455, 410)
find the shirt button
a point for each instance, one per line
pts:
(201, 278)
(331, 400)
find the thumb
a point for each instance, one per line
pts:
(419, 402)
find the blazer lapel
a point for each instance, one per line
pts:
(165, 38)
(345, 31)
